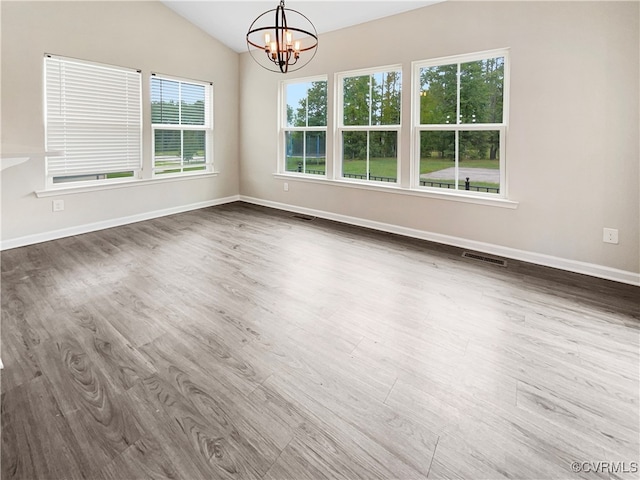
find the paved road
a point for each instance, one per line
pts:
(474, 174)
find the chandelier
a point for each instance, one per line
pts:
(286, 45)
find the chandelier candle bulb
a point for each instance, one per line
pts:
(289, 38)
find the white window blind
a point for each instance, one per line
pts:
(93, 118)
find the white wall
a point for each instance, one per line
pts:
(573, 141)
(143, 35)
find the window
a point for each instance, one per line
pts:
(369, 124)
(182, 126)
(305, 126)
(92, 121)
(460, 119)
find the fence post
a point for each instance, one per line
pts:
(466, 184)
(300, 167)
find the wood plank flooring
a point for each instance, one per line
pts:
(241, 342)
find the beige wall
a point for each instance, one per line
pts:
(143, 35)
(573, 141)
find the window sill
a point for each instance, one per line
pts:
(68, 190)
(379, 187)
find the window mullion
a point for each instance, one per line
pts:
(304, 152)
(179, 103)
(181, 149)
(457, 158)
(456, 179)
(370, 97)
(305, 129)
(169, 126)
(304, 133)
(458, 114)
(368, 154)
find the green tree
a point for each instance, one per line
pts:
(438, 95)
(317, 104)
(290, 115)
(312, 108)
(385, 102)
(386, 109)
(356, 100)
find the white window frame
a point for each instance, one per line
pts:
(57, 153)
(341, 127)
(459, 127)
(284, 128)
(207, 128)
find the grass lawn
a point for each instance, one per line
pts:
(428, 165)
(119, 174)
(380, 167)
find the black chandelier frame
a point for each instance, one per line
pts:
(284, 52)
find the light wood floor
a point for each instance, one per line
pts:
(242, 342)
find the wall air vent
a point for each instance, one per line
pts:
(483, 258)
(306, 218)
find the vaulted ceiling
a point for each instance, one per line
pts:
(228, 21)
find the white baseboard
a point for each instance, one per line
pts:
(575, 266)
(116, 222)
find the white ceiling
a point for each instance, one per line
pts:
(228, 21)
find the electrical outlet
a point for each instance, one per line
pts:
(610, 235)
(286, 187)
(58, 205)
